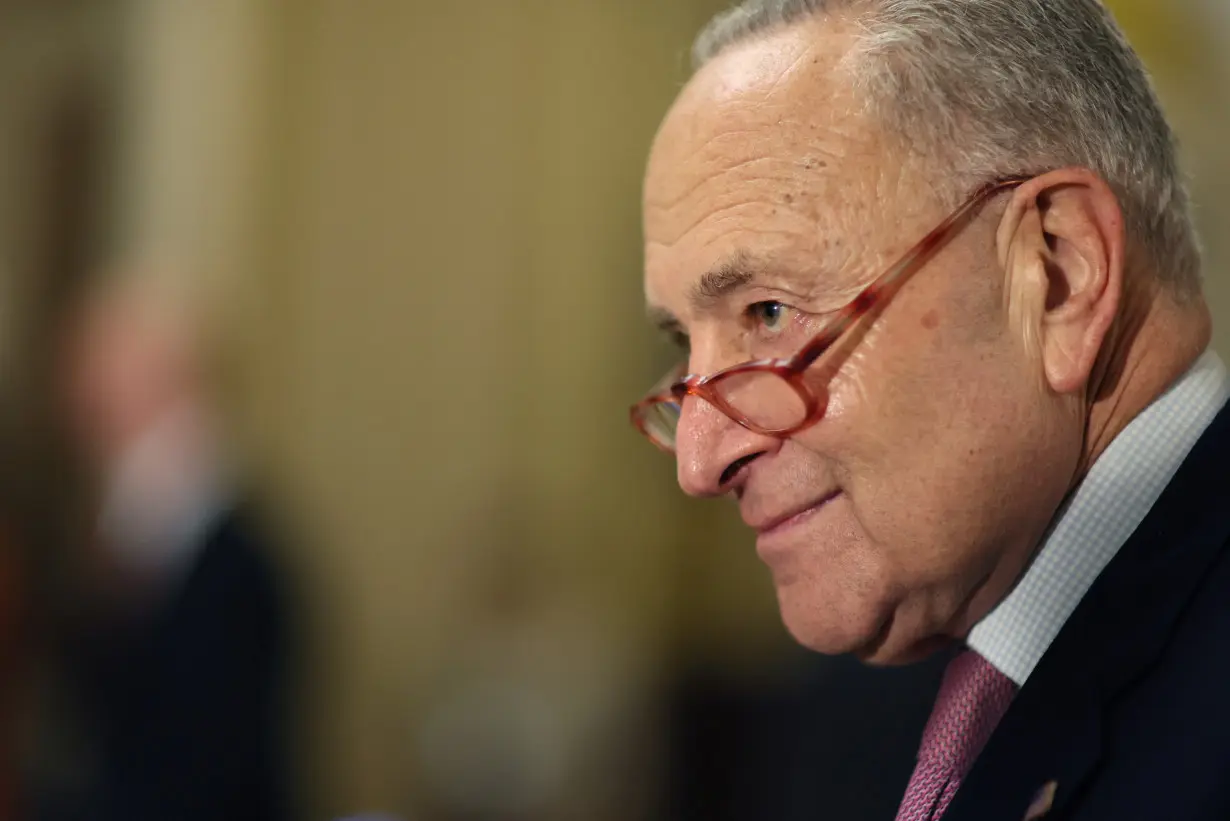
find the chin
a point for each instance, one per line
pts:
(833, 631)
(871, 633)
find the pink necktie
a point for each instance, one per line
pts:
(972, 699)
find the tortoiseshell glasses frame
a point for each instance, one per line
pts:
(788, 403)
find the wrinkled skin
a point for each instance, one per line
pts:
(958, 420)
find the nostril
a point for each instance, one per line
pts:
(733, 469)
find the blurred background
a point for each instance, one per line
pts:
(425, 567)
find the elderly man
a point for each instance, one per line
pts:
(934, 272)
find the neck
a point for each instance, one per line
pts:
(1156, 340)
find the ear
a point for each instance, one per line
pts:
(1061, 243)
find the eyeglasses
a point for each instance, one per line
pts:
(770, 396)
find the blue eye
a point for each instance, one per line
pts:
(770, 315)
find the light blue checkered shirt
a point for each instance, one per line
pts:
(1099, 518)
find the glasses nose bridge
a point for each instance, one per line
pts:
(703, 389)
(693, 388)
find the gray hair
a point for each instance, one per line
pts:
(1004, 87)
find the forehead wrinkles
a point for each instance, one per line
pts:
(811, 201)
(790, 167)
(778, 135)
(775, 201)
(760, 171)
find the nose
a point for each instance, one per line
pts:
(711, 449)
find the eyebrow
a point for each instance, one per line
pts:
(720, 282)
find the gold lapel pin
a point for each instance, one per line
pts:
(1043, 800)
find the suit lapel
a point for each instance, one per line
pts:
(1053, 731)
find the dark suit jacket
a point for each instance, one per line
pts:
(1129, 710)
(186, 703)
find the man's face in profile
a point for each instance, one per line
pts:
(771, 199)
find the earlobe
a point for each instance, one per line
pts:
(1066, 254)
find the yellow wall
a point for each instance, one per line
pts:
(1185, 46)
(446, 342)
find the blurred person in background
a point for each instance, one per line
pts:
(177, 645)
(951, 240)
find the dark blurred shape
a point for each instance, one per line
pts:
(821, 738)
(174, 646)
(13, 657)
(182, 700)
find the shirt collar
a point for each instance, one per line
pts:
(162, 494)
(1098, 518)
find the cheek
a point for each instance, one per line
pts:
(884, 392)
(926, 376)
(921, 431)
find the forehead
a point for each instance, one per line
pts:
(767, 152)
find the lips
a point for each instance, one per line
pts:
(765, 526)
